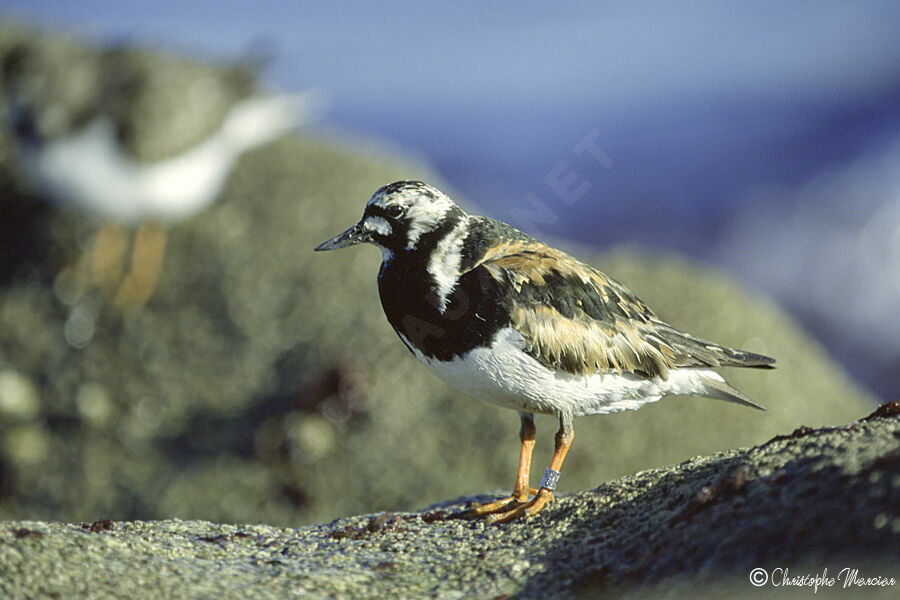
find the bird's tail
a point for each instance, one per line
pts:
(695, 352)
(259, 119)
(716, 387)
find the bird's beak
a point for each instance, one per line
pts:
(355, 235)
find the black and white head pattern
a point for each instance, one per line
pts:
(414, 217)
(399, 214)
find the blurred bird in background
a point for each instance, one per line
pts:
(138, 139)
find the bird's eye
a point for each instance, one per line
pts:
(394, 211)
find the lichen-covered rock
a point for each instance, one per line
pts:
(262, 382)
(814, 501)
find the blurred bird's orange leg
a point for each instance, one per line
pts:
(146, 266)
(104, 259)
(564, 438)
(521, 491)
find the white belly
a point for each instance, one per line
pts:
(506, 376)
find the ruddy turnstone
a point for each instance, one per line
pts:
(137, 138)
(509, 320)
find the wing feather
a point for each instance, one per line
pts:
(576, 319)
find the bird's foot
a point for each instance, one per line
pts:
(526, 509)
(501, 506)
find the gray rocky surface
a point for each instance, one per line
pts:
(812, 500)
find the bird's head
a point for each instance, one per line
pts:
(401, 217)
(49, 89)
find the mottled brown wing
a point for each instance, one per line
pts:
(576, 319)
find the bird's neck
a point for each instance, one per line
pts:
(437, 307)
(423, 277)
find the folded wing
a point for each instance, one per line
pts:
(577, 320)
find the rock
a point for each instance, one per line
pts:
(262, 382)
(816, 501)
(18, 396)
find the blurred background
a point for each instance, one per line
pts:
(760, 139)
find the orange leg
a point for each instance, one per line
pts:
(564, 438)
(104, 260)
(146, 265)
(521, 491)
